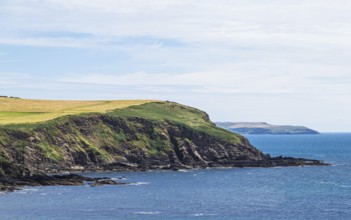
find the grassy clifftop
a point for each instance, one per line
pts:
(17, 111)
(177, 114)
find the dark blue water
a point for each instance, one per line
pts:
(248, 193)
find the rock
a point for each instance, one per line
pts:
(40, 179)
(102, 182)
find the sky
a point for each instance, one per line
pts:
(276, 61)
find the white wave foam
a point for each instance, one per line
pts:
(29, 189)
(202, 214)
(139, 183)
(184, 171)
(146, 213)
(26, 190)
(340, 164)
(199, 214)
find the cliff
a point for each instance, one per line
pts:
(264, 128)
(157, 135)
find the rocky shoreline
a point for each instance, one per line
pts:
(10, 184)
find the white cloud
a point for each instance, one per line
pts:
(43, 42)
(291, 22)
(241, 80)
(11, 79)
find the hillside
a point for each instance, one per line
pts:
(264, 128)
(16, 110)
(155, 135)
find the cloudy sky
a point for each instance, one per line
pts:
(280, 61)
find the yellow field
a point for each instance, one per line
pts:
(14, 111)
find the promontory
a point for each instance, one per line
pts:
(45, 137)
(264, 128)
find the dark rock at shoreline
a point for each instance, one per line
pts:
(272, 162)
(9, 184)
(12, 184)
(106, 181)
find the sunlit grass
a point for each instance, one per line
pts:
(15, 111)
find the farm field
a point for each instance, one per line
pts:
(15, 110)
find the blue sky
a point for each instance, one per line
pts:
(279, 61)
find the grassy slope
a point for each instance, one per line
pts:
(16, 111)
(178, 114)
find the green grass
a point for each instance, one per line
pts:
(50, 152)
(178, 114)
(161, 111)
(2, 159)
(91, 148)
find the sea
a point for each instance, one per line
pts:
(309, 192)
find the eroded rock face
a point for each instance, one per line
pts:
(77, 144)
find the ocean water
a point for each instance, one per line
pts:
(237, 193)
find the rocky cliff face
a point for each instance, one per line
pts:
(159, 135)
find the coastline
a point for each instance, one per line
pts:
(76, 177)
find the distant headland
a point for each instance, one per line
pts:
(264, 128)
(8, 97)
